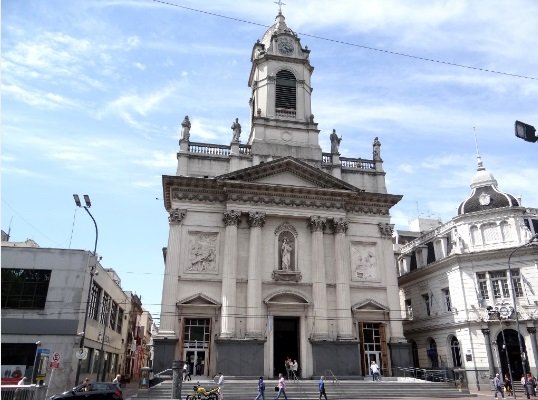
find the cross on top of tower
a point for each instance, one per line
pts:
(280, 4)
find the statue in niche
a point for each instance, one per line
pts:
(335, 142)
(286, 255)
(186, 128)
(236, 128)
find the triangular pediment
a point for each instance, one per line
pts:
(369, 305)
(198, 299)
(288, 171)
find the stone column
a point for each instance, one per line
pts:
(171, 271)
(343, 302)
(532, 332)
(227, 322)
(319, 288)
(254, 285)
(491, 363)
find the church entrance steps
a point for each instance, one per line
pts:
(242, 389)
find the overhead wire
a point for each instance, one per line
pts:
(346, 43)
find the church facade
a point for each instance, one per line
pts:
(277, 249)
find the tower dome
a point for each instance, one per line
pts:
(277, 28)
(485, 194)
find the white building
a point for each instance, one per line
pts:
(455, 284)
(275, 248)
(44, 297)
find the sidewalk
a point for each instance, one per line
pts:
(130, 390)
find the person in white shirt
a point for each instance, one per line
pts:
(375, 371)
(220, 383)
(281, 387)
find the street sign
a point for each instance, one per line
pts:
(55, 363)
(81, 354)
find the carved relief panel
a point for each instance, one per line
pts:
(202, 247)
(364, 262)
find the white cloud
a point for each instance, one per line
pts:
(159, 160)
(38, 99)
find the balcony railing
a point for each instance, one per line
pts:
(356, 163)
(285, 113)
(209, 149)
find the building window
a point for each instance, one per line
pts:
(491, 233)
(426, 298)
(95, 298)
(408, 308)
(197, 332)
(113, 315)
(455, 350)
(483, 285)
(448, 303)
(286, 89)
(432, 354)
(516, 278)
(119, 325)
(25, 288)
(499, 284)
(105, 309)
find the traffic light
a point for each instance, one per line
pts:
(526, 132)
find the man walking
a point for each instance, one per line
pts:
(375, 371)
(498, 385)
(322, 388)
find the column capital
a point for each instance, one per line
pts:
(485, 331)
(256, 219)
(176, 215)
(340, 225)
(386, 230)
(232, 217)
(531, 330)
(317, 223)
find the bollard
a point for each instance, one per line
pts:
(177, 378)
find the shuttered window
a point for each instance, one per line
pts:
(286, 91)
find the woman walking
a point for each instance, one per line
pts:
(281, 387)
(261, 389)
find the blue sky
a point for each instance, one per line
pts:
(93, 94)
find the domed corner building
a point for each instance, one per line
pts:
(277, 249)
(456, 286)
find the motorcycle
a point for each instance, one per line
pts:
(200, 393)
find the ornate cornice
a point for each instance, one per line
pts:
(317, 223)
(256, 219)
(176, 215)
(232, 217)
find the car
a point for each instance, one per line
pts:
(91, 391)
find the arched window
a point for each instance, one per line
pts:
(414, 350)
(286, 89)
(455, 350)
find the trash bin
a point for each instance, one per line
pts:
(144, 378)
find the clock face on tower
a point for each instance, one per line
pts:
(285, 46)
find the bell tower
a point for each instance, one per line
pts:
(282, 123)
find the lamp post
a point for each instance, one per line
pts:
(86, 207)
(514, 300)
(495, 312)
(34, 369)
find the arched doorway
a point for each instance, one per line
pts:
(432, 353)
(455, 351)
(513, 353)
(414, 350)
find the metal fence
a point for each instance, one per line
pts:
(25, 392)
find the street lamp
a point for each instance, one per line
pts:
(514, 300)
(92, 273)
(495, 312)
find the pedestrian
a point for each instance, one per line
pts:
(497, 384)
(84, 385)
(186, 372)
(23, 381)
(287, 365)
(508, 389)
(294, 369)
(220, 383)
(281, 387)
(261, 389)
(375, 371)
(117, 381)
(322, 388)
